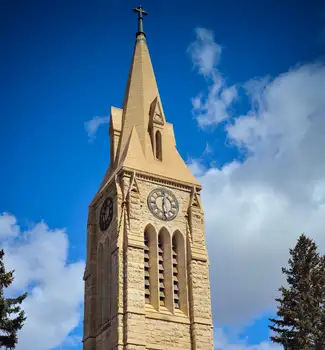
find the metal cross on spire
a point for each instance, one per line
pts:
(141, 12)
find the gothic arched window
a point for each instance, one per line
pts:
(179, 272)
(106, 299)
(175, 255)
(100, 278)
(165, 270)
(146, 269)
(161, 270)
(150, 267)
(158, 145)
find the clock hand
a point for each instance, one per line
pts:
(164, 205)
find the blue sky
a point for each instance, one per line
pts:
(245, 92)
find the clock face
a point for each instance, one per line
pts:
(106, 214)
(163, 204)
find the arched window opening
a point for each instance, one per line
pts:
(107, 283)
(158, 145)
(165, 270)
(161, 271)
(179, 273)
(150, 256)
(146, 269)
(100, 275)
(175, 273)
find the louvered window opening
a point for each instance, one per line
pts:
(175, 277)
(146, 270)
(161, 274)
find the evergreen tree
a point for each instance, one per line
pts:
(301, 310)
(9, 308)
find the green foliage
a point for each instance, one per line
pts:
(301, 310)
(11, 316)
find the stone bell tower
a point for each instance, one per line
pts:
(146, 277)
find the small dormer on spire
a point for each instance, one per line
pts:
(156, 125)
(141, 12)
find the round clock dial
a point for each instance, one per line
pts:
(163, 204)
(106, 214)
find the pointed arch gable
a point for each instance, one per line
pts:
(178, 235)
(150, 229)
(164, 233)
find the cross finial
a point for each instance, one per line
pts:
(141, 12)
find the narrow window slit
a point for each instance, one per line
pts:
(158, 145)
(146, 269)
(175, 275)
(161, 273)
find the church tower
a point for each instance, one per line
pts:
(147, 272)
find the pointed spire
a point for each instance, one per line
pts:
(146, 141)
(140, 92)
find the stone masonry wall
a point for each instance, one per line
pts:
(135, 327)
(165, 335)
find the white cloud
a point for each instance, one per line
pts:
(222, 343)
(205, 54)
(93, 124)
(286, 109)
(256, 209)
(8, 226)
(55, 287)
